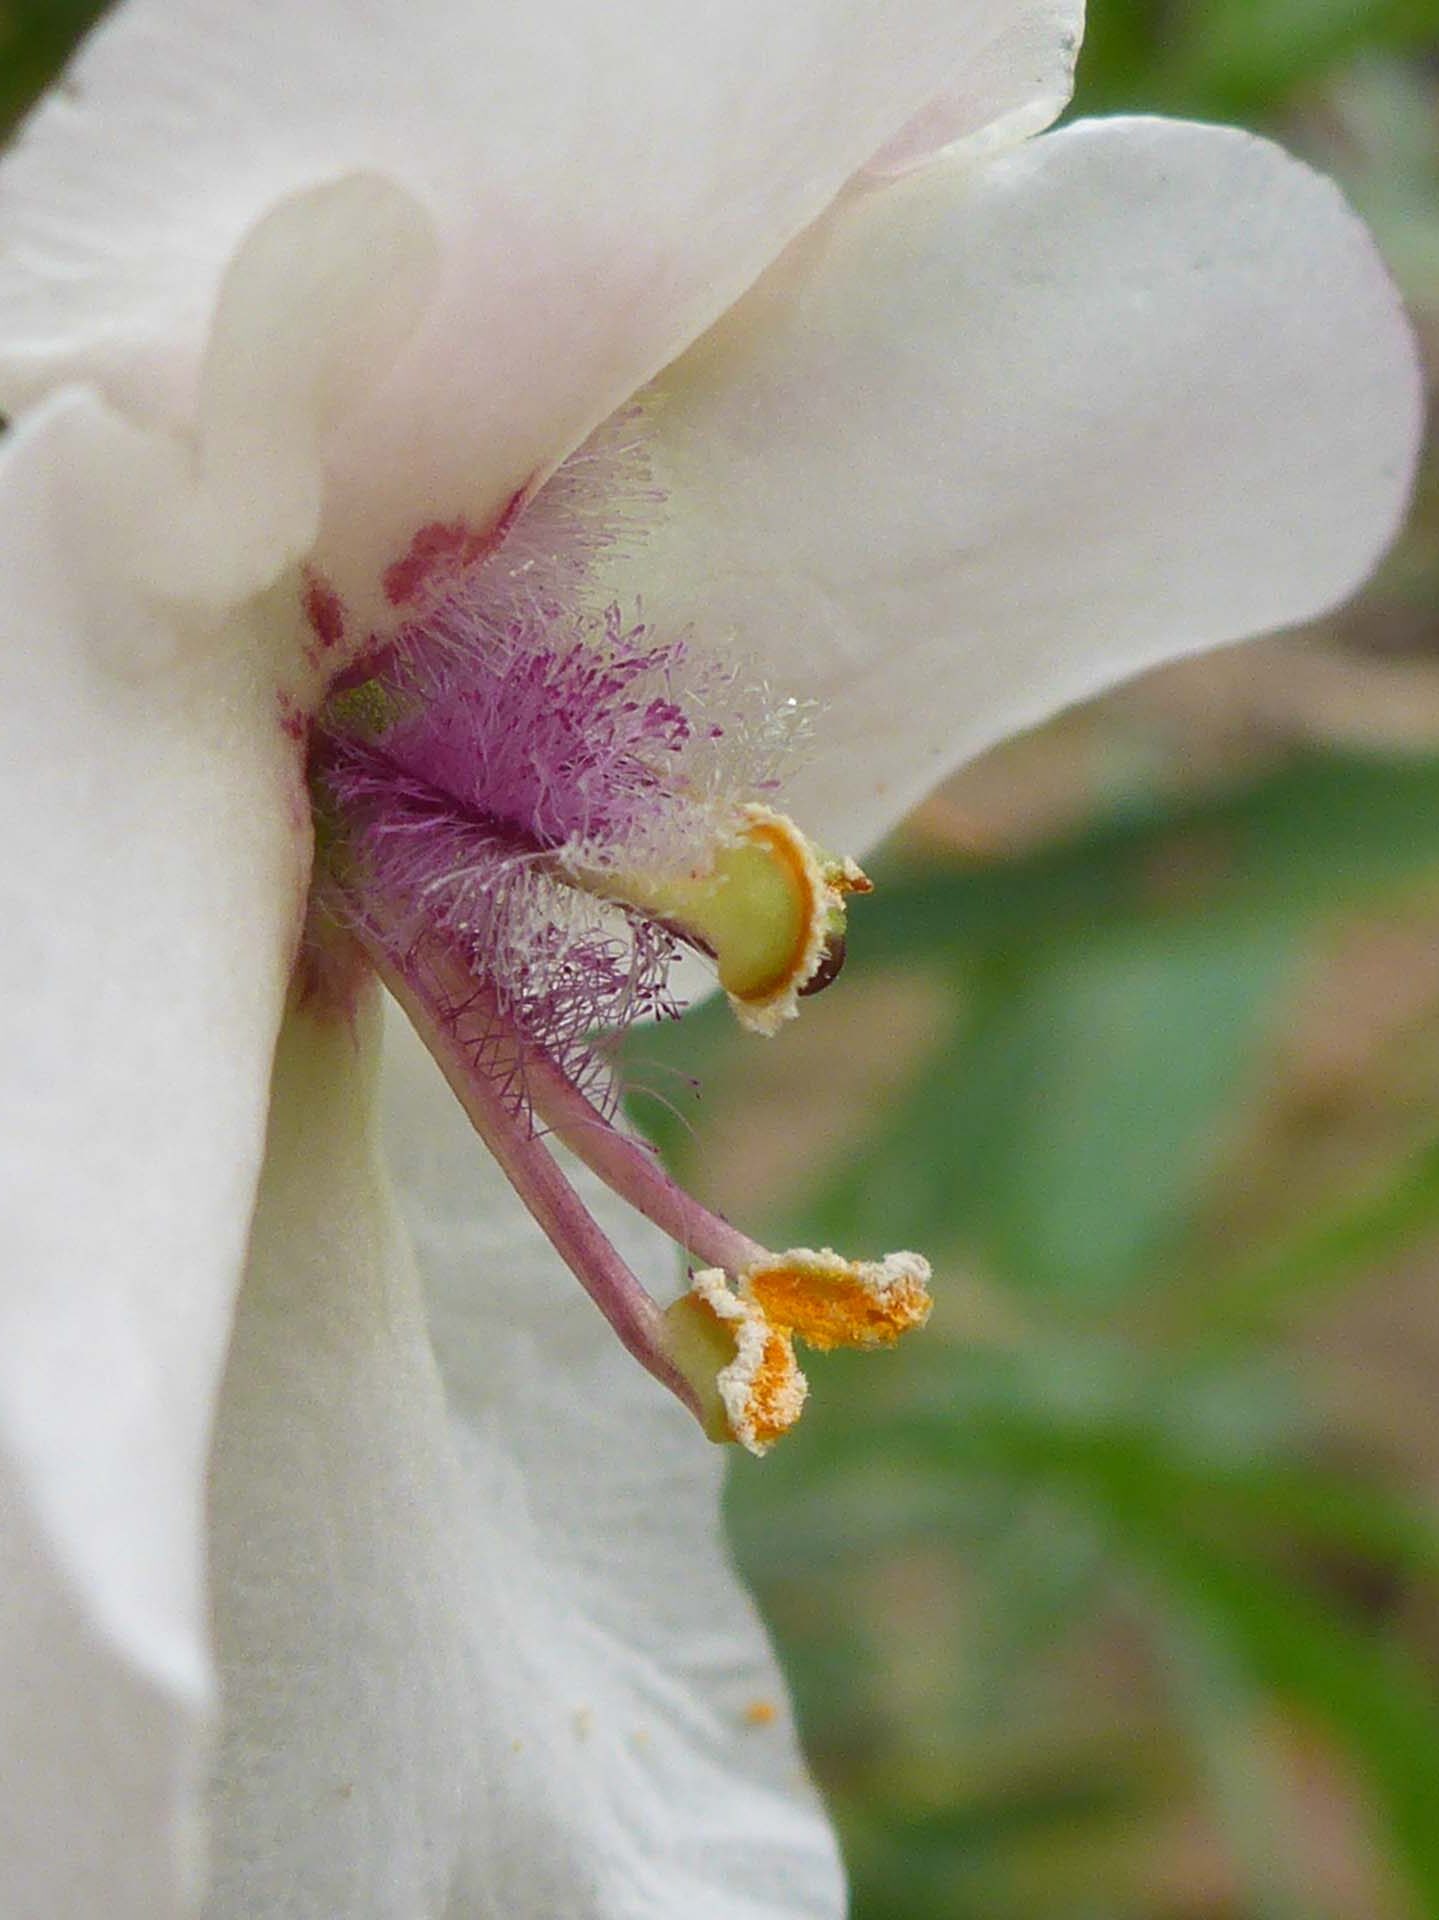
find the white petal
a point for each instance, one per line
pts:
(606, 178)
(990, 440)
(624, 1774)
(350, 1718)
(318, 298)
(151, 874)
(1008, 89)
(514, 1688)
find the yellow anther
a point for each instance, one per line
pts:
(736, 1344)
(742, 1367)
(830, 1302)
(767, 906)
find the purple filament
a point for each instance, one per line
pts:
(514, 756)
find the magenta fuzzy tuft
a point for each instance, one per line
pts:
(564, 737)
(517, 734)
(523, 756)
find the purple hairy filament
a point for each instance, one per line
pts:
(482, 1056)
(557, 968)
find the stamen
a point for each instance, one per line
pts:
(521, 816)
(726, 1351)
(737, 1348)
(743, 1365)
(820, 1298)
(831, 1302)
(631, 1168)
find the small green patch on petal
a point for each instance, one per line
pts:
(367, 709)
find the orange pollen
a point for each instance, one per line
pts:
(776, 1391)
(829, 1302)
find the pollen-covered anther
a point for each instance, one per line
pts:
(740, 1363)
(765, 997)
(735, 1343)
(832, 1302)
(767, 906)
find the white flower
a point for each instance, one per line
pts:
(951, 431)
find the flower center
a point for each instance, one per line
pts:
(523, 817)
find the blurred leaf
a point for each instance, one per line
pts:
(1325, 834)
(1225, 1711)
(1034, 1578)
(36, 39)
(980, 1858)
(1068, 1130)
(1203, 1520)
(1086, 1415)
(1233, 59)
(1182, 1474)
(1356, 1234)
(1367, 1693)
(1237, 57)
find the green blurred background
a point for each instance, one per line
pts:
(1116, 1596)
